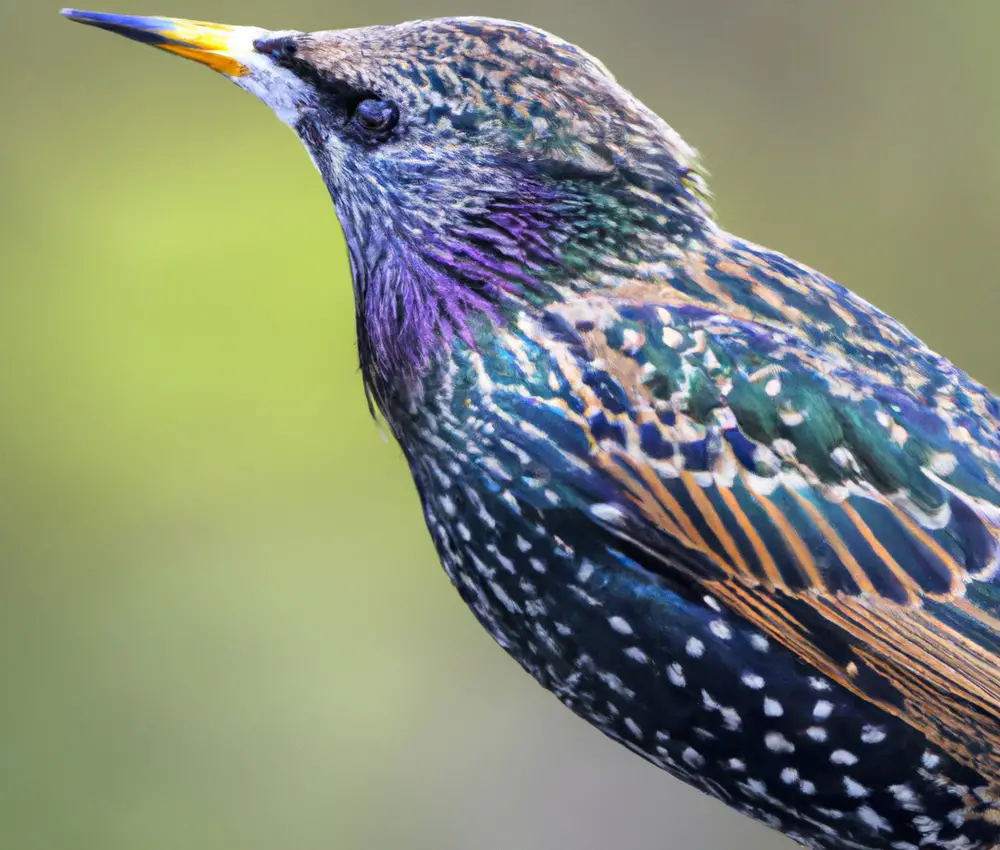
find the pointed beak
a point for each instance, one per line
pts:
(216, 45)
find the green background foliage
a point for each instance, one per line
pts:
(222, 624)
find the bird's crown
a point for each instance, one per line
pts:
(502, 84)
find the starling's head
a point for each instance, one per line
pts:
(474, 164)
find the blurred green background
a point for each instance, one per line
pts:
(221, 621)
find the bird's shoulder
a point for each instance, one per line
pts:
(749, 423)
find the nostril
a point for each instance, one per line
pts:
(279, 48)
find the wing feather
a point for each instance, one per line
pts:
(842, 499)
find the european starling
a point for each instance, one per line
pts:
(728, 512)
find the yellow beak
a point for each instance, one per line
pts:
(210, 44)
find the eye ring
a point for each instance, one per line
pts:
(376, 117)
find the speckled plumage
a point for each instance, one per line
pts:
(724, 509)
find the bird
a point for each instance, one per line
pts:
(728, 512)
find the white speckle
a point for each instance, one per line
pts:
(463, 530)
(540, 125)
(764, 485)
(704, 479)
(712, 603)
(523, 544)
(843, 458)
(512, 502)
(833, 814)
(536, 565)
(956, 817)
(925, 824)
(736, 764)
(817, 733)
(585, 572)
(502, 559)
(708, 701)
(818, 684)
(552, 496)
(773, 387)
(695, 648)
(620, 625)
(633, 727)
(872, 734)
(608, 513)
(752, 680)
(806, 787)
(586, 597)
(789, 775)
(883, 418)
(772, 708)
(778, 743)
(563, 629)
(493, 466)
(767, 460)
(535, 608)
(720, 630)
(854, 788)
(481, 568)
(903, 793)
(791, 418)
(822, 709)
(929, 760)
(942, 463)
(616, 684)
(843, 757)
(693, 757)
(636, 654)
(662, 736)
(784, 448)
(545, 637)
(504, 599)
(837, 493)
(730, 718)
(903, 845)
(672, 338)
(869, 816)
(632, 340)
(760, 643)
(676, 675)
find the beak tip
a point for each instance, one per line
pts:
(82, 17)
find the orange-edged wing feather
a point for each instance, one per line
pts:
(810, 463)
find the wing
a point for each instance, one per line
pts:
(808, 461)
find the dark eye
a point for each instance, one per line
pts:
(376, 117)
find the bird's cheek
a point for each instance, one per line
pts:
(327, 151)
(310, 131)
